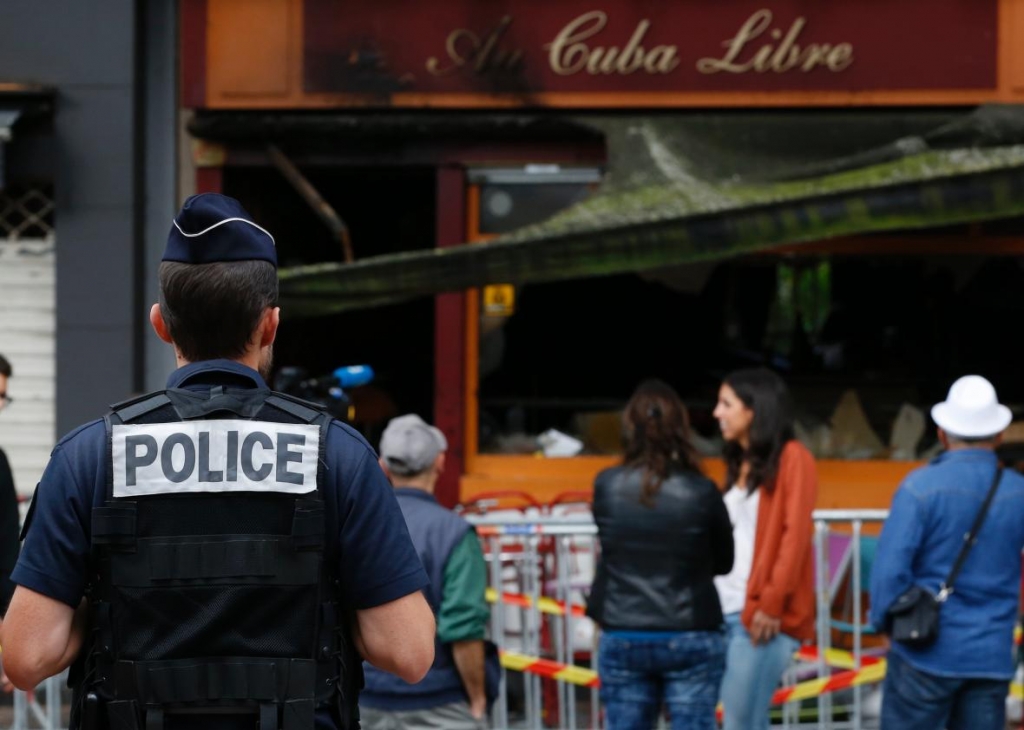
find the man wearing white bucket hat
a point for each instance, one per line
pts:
(957, 676)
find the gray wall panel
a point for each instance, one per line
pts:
(95, 365)
(67, 42)
(161, 170)
(105, 195)
(95, 269)
(95, 126)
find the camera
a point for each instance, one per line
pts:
(327, 390)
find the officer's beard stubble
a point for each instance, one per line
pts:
(266, 363)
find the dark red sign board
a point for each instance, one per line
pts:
(523, 47)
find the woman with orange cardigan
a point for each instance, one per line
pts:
(770, 490)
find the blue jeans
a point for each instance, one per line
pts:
(916, 700)
(752, 674)
(681, 671)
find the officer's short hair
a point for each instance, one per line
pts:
(212, 310)
(5, 367)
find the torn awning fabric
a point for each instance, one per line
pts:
(684, 189)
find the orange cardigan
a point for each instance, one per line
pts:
(781, 579)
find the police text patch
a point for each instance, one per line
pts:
(215, 456)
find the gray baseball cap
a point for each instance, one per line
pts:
(409, 445)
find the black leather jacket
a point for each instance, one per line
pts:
(656, 566)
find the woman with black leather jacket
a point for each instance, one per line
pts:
(664, 534)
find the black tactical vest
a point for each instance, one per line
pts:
(210, 591)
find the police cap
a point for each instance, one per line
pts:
(212, 227)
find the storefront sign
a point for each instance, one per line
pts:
(525, 47)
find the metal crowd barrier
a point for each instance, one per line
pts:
(831, 577)
(531, 557)
(538, 567)
(33, 713)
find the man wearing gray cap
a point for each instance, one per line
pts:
(452, 695)
(216, 555)
(951, 549)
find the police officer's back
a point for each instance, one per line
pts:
(233, 546)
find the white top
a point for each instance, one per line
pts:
(732, 588)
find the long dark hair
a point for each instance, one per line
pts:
(656, 436)
(765, 393)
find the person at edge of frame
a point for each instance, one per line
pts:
(216, 555)
(9, 517)
(961, 679)
(454, 694)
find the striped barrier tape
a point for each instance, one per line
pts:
(841, 680)
(837, 658)
(547, 668)
(844, 660)
(871, 674)
(526, 529)
(589, 678)
(544, 604)
(834, 658)
(816, 687)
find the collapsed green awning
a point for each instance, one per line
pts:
(686, 189)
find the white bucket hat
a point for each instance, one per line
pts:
(971, 409)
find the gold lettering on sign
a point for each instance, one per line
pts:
(569, 53)
(466, 50)
(744, 55)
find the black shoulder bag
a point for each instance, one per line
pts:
(914, 617)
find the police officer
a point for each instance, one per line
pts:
(213, 555)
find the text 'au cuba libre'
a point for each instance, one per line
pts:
(758, 46)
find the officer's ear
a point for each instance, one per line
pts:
(268, 326)
(156, 318)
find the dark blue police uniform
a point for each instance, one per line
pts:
(358, 528)
(367, 534)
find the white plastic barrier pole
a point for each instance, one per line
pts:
(858, 698)
(533, 619)
(823, 613)
(561, 637)
(20, 710)
(500, 711)
(824, 520)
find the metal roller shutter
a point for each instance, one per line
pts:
(27, 340)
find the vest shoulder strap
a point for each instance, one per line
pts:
(129, 410)
(304, 410)
(133, 408)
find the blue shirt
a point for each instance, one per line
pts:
(377, 562)
(931, 512)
